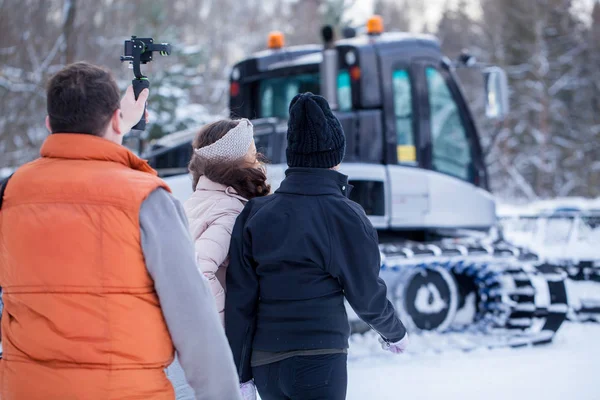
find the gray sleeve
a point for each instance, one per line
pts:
(186, 300)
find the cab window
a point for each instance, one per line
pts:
(344, 85)
(404, 117)
(277, 93)
(451, 150)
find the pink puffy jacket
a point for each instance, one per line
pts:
(212, 211)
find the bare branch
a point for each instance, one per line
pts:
(51, 55)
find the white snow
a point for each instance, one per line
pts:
(572, 236)
(504, 209)
(584, 294)
(4, 172)
(564, 369)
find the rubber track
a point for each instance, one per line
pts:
(518, 303)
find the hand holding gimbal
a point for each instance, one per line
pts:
(139, 51)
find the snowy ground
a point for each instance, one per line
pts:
(567, 368)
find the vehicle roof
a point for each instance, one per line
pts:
(402, 38)
(311, 54)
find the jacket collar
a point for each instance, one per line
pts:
(205, 184)
(75, 146)
(314, 182)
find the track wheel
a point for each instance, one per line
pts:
(426, 298)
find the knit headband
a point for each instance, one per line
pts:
(232, 146)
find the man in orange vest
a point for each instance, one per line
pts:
(97, 267)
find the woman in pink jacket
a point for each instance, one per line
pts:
(227, 172)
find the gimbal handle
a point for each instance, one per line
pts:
(138, 86)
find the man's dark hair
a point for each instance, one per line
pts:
(81, 99)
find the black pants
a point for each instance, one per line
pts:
(322, 377)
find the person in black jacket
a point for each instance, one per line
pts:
(294, 256)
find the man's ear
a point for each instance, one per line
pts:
(115, 122)
(48, 124)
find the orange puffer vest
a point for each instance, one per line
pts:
(81, 317)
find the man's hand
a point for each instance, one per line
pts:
(132, 110)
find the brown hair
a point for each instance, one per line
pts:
(81, 98)
(248, 181)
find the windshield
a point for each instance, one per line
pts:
(277, 93)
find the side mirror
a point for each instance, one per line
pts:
(496, 90)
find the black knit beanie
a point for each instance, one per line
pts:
(315, 138)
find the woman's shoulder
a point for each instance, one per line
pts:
(215, 204)
(231, 203)
(220, 209)
(204, 198)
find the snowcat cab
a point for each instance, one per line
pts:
(413, 153)
(414, 158)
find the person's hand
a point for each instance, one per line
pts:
(248, 390)
(397, 347)
(132, 110)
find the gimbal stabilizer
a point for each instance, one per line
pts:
(139, 51)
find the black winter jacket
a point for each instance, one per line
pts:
(294, 256)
